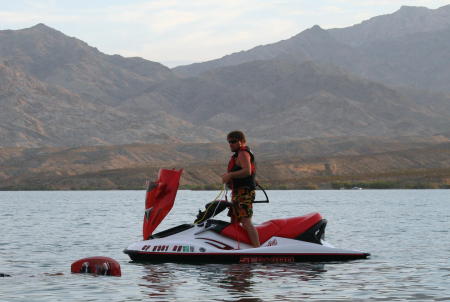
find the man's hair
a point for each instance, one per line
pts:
(239, 135)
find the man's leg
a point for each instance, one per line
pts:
(251, 231)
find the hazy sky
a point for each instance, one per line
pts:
(175, 32)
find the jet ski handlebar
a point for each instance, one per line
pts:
(265, 194)
(215, 207)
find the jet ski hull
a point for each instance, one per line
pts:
(202, 244)
(201, 258)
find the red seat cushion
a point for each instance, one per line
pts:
(295, 226)
(287, 228)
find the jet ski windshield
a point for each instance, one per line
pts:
(159, 199)
(172, 231)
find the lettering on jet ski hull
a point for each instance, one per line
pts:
(165, 248)
(272, 242)
(266, 259)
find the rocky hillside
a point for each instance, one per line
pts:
(58, 91)
(54, 58)
(316, 163)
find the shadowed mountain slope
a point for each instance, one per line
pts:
(287, 99)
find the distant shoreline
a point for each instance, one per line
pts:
(215, 187)
(335, 163)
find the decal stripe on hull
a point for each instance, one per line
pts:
(239, 258)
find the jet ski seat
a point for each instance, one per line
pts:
(287, 228)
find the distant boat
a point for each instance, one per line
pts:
(356, 188)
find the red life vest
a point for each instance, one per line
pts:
(248, 181)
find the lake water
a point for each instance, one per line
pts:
(406, 231)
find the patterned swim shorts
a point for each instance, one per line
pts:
(242, 200)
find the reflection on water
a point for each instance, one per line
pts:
(159, 281)
(243, 281)
(236, 279)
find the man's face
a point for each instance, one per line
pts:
(234, 144)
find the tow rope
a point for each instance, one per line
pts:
(219, 197)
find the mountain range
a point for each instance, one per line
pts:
(370, 102)
(407, 48)
(387, 76)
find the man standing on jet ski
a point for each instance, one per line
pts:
(240, 177)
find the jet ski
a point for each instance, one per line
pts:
(208, 240)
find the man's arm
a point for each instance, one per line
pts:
(244, 160)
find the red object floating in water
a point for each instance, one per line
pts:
(104, 266)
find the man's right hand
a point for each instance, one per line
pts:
(226, 178)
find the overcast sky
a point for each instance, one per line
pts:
(175, 32)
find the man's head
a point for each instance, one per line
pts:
(236, 139)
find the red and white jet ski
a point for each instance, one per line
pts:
(295, 239)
